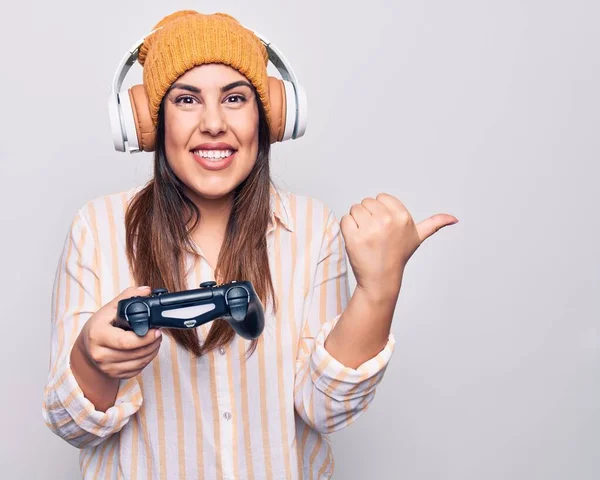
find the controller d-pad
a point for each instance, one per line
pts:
(138, 314)
(237, 299)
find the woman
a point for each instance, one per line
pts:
(205, 403)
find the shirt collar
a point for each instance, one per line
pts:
(280, 209)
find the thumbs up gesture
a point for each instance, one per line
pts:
(380, 237)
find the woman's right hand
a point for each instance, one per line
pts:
(115, 352)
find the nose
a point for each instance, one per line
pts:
(212, 120)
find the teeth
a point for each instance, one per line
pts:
(213, 154)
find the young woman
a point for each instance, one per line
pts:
(204, 403)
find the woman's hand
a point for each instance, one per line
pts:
(115, 352)
(380, 237)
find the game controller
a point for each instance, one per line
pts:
(236, 302)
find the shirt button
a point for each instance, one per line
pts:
(227, 416)
(222, 350)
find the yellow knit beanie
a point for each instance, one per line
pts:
(188, 39)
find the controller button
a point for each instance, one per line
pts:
(139, 308)
(237, 292)
(159, 291)
(207, 284)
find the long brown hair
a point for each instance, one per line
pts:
(158, 232)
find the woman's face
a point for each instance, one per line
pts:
(211, 129)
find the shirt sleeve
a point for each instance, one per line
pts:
(327, 394)
(75, 298)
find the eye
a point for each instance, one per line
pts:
(183, 99)
(237, 98)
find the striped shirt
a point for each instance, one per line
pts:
(214, 417)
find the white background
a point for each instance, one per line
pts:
(487, 110)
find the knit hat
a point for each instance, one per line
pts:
(188, 39)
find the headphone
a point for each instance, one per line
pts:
(131, 123)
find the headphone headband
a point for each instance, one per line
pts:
(122, 123)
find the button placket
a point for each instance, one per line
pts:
(225, 410)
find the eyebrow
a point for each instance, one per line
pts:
(226, 88)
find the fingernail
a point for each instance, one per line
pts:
(158, 333)
(142, 287)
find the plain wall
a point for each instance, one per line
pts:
(486, 110)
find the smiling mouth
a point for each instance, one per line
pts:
(213, 155)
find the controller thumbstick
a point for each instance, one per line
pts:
(208, 284)
(159, 291)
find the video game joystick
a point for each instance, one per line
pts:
(236, 302)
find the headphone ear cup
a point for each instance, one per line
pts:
(277, 98)
(144, 128)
